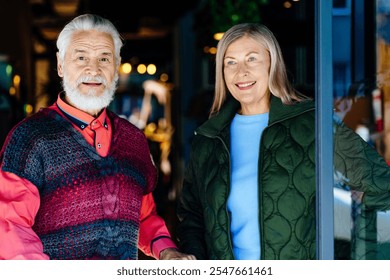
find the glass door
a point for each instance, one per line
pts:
(361, 67)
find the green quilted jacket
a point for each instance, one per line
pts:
(287, 183)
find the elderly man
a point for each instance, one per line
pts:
(76, 180)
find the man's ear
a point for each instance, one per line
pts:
(59, 66)
(118, 65)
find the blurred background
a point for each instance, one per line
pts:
(167, 76)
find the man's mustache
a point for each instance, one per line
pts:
(96, 79)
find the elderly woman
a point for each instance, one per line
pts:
(250, 184)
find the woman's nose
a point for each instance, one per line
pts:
(243, 70)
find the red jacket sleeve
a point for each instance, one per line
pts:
(19, 204)
(154, 235)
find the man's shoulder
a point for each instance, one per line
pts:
(118, 120)
(43, 115)
(35, 125)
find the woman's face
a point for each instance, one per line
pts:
(246, 70)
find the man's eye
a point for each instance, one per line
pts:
(81, 58)
(104, 59)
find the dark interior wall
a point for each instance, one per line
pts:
(16, 43)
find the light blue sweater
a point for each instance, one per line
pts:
(243, 201)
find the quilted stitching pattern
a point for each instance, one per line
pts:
(287, 185)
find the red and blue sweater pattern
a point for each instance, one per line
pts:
(90, 205)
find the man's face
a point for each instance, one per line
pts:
(89, 71)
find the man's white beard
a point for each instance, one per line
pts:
(90, 102)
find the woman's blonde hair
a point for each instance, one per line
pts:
(279, 84)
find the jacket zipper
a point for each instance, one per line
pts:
(228, 193)
(228, 188)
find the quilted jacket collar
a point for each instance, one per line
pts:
(278, 112)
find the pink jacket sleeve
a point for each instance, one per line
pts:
(154, 235)
(19, 204)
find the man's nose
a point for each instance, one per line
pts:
(93, 67)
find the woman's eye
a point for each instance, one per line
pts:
(230, 62)
(252, 58)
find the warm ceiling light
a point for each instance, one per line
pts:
(126, 68)
(50, 33)
(287, 5)
(164, 77)
(66, 8)
(141, 68)
(213, 50)
(218, 36)
(151, 69)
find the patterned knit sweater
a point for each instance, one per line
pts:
(90, 205)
